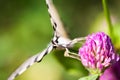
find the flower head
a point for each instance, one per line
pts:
(98, 51)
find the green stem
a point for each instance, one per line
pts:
(107, 15)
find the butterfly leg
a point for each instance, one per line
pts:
(71, 54)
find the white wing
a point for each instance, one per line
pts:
(60, 39)
(55, 19)
(36, 58)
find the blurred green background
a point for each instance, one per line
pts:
(25, 30)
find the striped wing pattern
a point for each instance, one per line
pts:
(59, 40)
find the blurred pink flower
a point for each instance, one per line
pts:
(98, 51)
(112, 73)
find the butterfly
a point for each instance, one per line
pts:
(60, 40)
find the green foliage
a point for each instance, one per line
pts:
(116, 37)
(91, 77)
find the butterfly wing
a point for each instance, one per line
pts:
(36, 58)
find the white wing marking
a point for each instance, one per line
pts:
(36, 58)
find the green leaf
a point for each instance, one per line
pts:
(90, 77)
